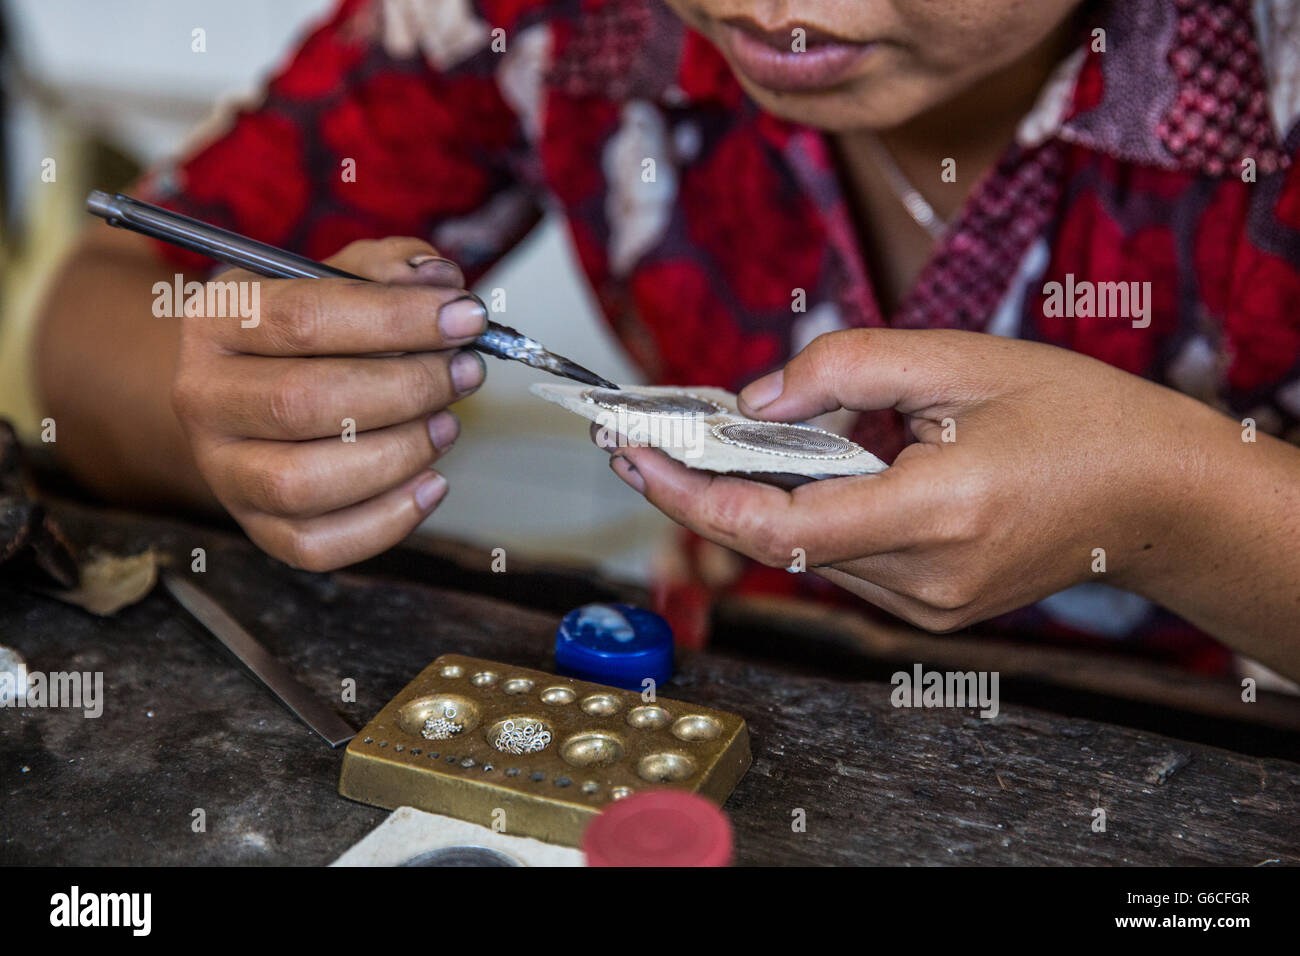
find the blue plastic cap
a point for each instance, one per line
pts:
(615, 644)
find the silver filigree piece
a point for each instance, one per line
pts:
(789, 441)
(444, 727)
(522, 738)
(645, 403)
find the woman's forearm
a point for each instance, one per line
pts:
(1233, 567)
(104, 366)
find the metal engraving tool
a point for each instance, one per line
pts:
(309, 708)
(232, 248)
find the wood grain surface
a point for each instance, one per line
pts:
(185, 727)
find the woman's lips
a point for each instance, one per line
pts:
(825, 63)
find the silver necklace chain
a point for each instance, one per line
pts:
(916, 205)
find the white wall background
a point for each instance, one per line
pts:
(524, 475)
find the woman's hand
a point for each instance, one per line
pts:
(265, 406)
(1032, 464)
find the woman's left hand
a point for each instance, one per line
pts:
(1035, 469)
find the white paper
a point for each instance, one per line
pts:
(408, 834)
(700, 440)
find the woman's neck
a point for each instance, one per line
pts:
(972, 129)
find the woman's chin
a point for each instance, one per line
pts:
(862, 105)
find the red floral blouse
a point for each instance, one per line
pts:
(1167, 159)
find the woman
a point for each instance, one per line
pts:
(1110, 189)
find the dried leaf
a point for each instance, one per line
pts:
(110, 583)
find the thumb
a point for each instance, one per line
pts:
(859, 369)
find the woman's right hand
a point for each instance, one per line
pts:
(266, 408)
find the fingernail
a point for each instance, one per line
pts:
(627, 471)
(467, 371)
(443, 271)
(763, 391)
(430, 491)
(444, 429)
(463, 317)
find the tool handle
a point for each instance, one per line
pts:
(212, 241)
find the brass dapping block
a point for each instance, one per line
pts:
(469, 738)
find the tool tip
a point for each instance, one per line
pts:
(596, 380)
(570, 369)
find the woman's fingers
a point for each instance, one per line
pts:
(813, 526)
(866, 369)
(308, 398)
(833, 520)
(310, 478)
(858, 369)
(350, 534)
(742, 515)
(300, 317)
(415, 303)
(315, 407)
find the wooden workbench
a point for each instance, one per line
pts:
(185, 727)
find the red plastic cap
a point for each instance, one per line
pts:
(659, 828)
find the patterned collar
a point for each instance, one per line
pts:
(1204, 105)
